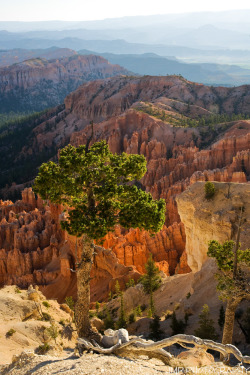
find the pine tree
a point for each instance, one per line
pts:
(155, 331)
(178, 326)
(232, 276)
(151, 280)
(97, 190)
(122, 323)
(209, 190)
(109, 321)
(117, 288)
(206, 328)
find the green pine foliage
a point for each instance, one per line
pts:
(206, 328)
(130, 283)
(109, 321)
(132, 317)
(97, 306)
(70, 302)
(97, 185)
(117, 288)
(138, 310)
(155, 331)
(224, 255)
(122, 322)
(98, 188)
(209, 190)
(152, 279)
(228, 285)
(151, 282)
(52, 331)
(177, 325)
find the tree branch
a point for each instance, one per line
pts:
(137, 347)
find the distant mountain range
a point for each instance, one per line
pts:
(237, 20)
(84, 39)
(142, 64)
(202, 30)
(152, 64)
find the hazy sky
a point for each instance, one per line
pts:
(80, 10)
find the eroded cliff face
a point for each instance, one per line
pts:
(34, 250)
(36, 84)
(215, 219)
(228, 160)
(101, 99)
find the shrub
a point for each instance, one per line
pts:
(46, 317)
(101, 314)
(97, 306)
(17, 290)
(70, 302)
(91, 314)
(10, 332)
(52, 331)
(132, 317)
(130, 283)
(109, 321)
(150, 314)
(209, 190)
(42, 349)
(138, 310)
(46, 304)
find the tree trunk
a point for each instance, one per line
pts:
(228, 329)
(83, 325)
(229, 321)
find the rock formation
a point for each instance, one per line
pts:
(38, 83)
(214, 219)
(14, 56)
(34, 250)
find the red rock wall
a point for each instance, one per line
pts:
(28, 73)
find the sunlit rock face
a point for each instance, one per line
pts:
(214, 219)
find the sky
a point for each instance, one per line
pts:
(81, 10)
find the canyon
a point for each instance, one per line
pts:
(36, 250)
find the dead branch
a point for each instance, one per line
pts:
(138, 346)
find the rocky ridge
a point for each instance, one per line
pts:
(14, 56)
(36, 84)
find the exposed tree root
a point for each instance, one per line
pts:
(138, 346)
